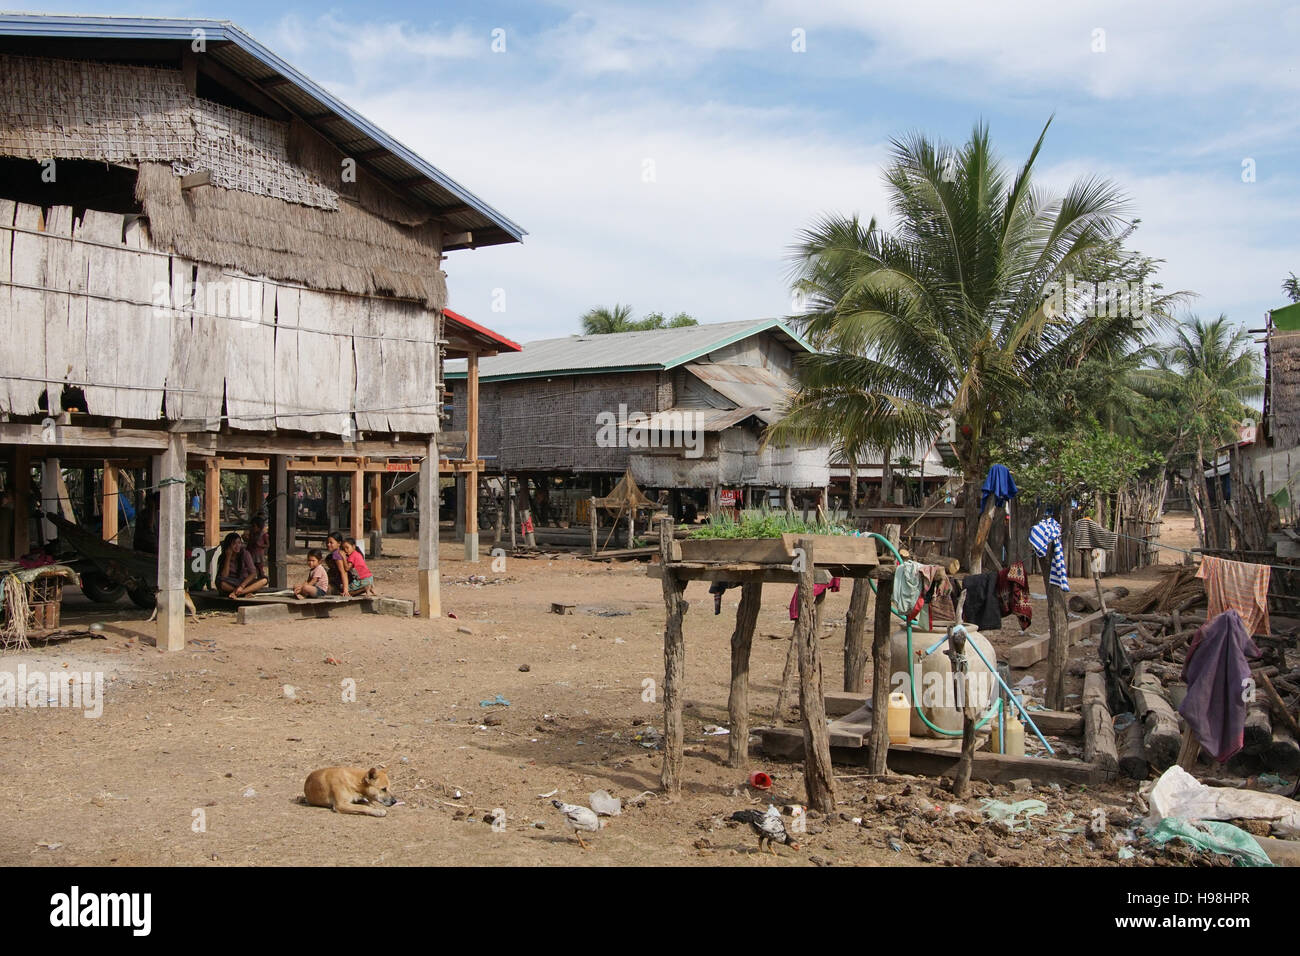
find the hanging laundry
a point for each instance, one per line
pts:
(1040, 536)
(1013, 593)
(1217, 673)
(908, 588)
(1088, 534)
(1240, 586)
(981, 607)
(1117, 666)
(818, 591)
(998, 483)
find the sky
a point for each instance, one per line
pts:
(667, 155)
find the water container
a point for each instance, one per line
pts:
(900, 719)
(1015, 737)
(932, 679)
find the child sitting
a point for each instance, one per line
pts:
(317, 583)
(360, 580)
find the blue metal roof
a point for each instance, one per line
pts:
(217, 31)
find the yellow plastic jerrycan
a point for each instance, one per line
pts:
(900, 719)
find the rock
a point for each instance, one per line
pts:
(492, 720)
(290, 692)
(1021, 784)
(464, 630)
(524, 668)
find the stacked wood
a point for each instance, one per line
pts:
(1099, 747)
(1179, 587)
(1132, 754)
(1161, 736)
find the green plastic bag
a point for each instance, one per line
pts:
(1215, 836)
(1014, 815)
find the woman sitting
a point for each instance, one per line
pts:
(236, 573)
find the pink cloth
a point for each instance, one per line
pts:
(818, 589)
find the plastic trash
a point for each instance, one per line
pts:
(759, 780)
(1178, 794)
(497, 701)
(1214, 836)
(604, 804)
(1014, 815)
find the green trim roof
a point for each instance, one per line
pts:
(648, 351)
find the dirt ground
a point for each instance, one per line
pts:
(199, 757)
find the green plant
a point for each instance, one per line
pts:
(763, 524)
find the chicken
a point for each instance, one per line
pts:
(578, 819)
(769, 827)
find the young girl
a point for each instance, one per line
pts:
(258, 540)
(336, 564)
(361, 581)
(317, 583)
(236, 573)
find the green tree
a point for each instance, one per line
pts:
(959, 309)
(1291, 286)
(603, 321)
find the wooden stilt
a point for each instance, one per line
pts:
(819, 778)
(171, 545)
(377, 507)
(880, 653)
(427, 584)
(108, 507)
(278, 505)
(211, 503)
(855, 630)
(742, 640)
(22, 501)
(357, 503)
(956, 650)
(670, 775)
(471, 453)
(595, 545)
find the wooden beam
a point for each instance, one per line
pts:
(108, 502)
(202, 177)
(427, 577)
(242, 88)
(171, 545)
(22, 501)
(819, 777)
(855, 629)
(377, 502)
(76, 436)
(742, 641)
(357, 502)
(278, 506)
(471, 453)
(881, 654)
(211, 503)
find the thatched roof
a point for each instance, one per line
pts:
(347, 249)
(1283, 393)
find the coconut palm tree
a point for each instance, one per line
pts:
(602, 321)
(955, 310)
(1209, 374)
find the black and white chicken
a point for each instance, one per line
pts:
(768, 825)
(579, 819)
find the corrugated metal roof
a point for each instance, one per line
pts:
(749, 386)
(691, 420)
(275, 79)
(653, 350)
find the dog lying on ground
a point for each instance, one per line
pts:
(349, 790)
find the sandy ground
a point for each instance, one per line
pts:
(199, 757)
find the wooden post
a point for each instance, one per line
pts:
(357, 502)
(595, 545)
(670, 775)
(1058, 642)
(880, 653)
(171, 545)
(631, 526)
(789, 500)
(22, 500)
(256, 492)
(1099, 746)
(956, 651)
(855, 630)
(211, 503)
(108, 507)
(427, 583)
(819, 778)
(471, 453)
(377, 503)
(279, 505)
(742, 640)
(50, 475)
(514, 527)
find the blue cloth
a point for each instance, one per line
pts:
(1040, 536)
(999, 484)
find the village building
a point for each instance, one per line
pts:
(209, 262)
(683, 410)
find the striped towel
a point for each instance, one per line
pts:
(1240, 586)
(1040, 536)
(1088, 534)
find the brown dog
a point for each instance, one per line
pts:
(349, 790)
